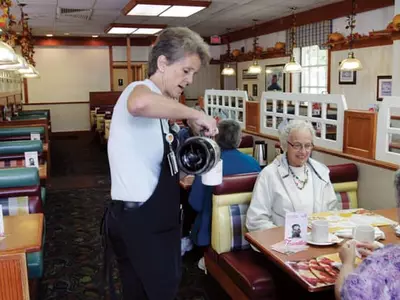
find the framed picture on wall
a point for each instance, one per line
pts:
(245, 88)
(384, 87)
(347, 77)
(255, 90)
(275, 78)
(246, 75)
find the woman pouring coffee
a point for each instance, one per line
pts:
(142, 223)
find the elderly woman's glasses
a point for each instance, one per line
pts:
(298, 146)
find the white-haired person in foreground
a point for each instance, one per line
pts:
(292, 182)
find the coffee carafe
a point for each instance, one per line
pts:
(260, 153)
(201, 156)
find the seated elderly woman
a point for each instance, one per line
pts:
(292, 182)
(378, 275)
(233, 162)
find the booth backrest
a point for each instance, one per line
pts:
(12, 153)
(246, 145)
(20, 191)
(20, 147)
(20, 133)
(344, 178)
(231, 200)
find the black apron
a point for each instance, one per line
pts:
(151, 233)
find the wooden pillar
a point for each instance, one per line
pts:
(110, 57)
(128, 58)
(396, 58)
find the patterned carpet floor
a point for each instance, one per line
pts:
(78, 192)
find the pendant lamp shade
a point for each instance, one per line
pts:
(292, 66)
(7, 55)
(29, 72)
(255, 68)
(228, 71)
(351, 63)
(22, 64)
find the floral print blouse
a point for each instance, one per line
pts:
(377, 277)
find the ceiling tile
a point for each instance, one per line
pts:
(221, 14)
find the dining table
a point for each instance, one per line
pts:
(263, 240)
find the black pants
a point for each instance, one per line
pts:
(189, 214)
(147, 262)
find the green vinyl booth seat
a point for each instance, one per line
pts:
(29, 117)
(13, 183)
(20, 147)
(45, 113)
(20, 132)
(21, 177)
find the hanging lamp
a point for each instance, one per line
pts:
(7, 55)
(351, 63)
(22, 64)
(228, 70)
(292, 66)
(255, 68)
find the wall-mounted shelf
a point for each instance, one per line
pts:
(377, 38)
(249, 56)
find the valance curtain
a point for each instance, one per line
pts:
(310, 35)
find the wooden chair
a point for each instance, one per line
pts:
(13, 277)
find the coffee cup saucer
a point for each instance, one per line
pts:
(333, 239)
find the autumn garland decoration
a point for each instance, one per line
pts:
(9, 36)
(26, 41)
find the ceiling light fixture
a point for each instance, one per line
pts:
(228, 70)
(292, 66)
(49, 35)
(95, 36)
(255, 68)
(7, 55)
(127, 29)
(173, 8)
(22, 64)
(351, 63)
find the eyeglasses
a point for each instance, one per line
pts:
(298, 146)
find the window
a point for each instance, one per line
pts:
(314, 62)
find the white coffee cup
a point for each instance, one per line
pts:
(364, 233)
(214, 176)
(320, 231)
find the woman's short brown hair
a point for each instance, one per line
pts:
(174, 43)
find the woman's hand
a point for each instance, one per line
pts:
(206, 123)
(366, 249)
(347, 253)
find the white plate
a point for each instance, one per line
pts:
(333, 239)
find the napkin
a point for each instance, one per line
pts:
(348, 233)
(286, 248)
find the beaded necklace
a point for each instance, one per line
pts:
(300, 184)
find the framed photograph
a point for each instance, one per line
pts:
(275, 78)
(347, 77)
(245, 88)
(255, 90)
(246, 75)
(384, 87)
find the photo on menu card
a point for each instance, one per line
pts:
(296, 226)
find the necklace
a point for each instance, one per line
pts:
(300, 184)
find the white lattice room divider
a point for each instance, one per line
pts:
(270, 118)
(385, 131)
(226, 104)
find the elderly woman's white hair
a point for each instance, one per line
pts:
(293, 125)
